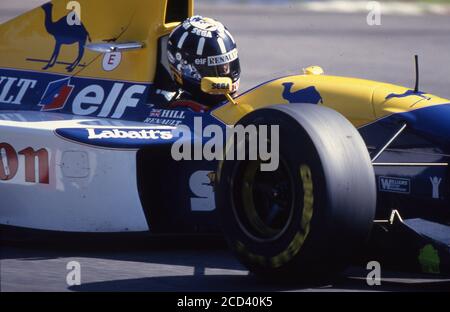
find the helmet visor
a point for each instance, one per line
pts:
(231, 70)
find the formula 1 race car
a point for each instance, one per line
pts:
(85, 149)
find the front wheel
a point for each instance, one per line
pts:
(310, 215)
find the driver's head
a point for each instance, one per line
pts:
(202, 47)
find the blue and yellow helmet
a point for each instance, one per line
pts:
(202, 47)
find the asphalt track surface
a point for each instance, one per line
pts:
(273, 41)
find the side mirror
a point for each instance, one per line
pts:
(217, 85)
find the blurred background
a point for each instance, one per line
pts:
(281, 37)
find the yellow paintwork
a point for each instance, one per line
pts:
(25, 37)
(360, 101)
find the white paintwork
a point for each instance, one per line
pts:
(90, 189)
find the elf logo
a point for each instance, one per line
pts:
(113, 103)
(56, 95)
(92, 100)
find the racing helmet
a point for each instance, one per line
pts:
(202, 47)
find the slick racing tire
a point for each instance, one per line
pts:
(307, 218)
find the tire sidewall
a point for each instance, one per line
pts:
(287, 246)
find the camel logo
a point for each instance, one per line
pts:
(56, 95)
(406, 94)
(64, 34)
(309, 95)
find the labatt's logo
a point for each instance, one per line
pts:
(154, 134)
(94, 100)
